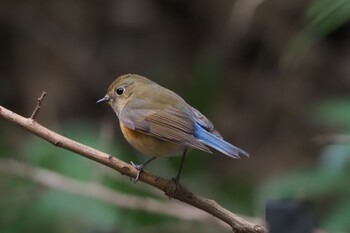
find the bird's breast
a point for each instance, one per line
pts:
(150, 145)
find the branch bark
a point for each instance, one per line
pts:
(237, 223)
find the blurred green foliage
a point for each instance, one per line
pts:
(333, 113)
(327, 184)
(325, 16)
(322, 17)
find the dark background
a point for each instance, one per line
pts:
(273, 76)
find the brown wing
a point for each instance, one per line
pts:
(167, 124)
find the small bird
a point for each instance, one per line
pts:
(159, 123)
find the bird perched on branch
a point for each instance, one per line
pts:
(159, 123)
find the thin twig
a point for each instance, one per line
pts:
(237, 223)
(38, 106)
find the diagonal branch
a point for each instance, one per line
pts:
(237, 223)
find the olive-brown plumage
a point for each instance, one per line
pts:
(158, 122)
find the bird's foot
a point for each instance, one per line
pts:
(174, 191)
(139, 168)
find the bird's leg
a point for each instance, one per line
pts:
(139, 167)
(177, 177)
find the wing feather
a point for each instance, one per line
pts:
(168, 124)
(204, 122)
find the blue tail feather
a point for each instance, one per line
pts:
(218, 143)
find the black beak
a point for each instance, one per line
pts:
(104, 99)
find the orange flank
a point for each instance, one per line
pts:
(150, 145)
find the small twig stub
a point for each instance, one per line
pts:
(38, 105)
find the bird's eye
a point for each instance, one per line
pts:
(120, 90)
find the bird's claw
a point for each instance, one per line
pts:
(177, 188)
(138, 167)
